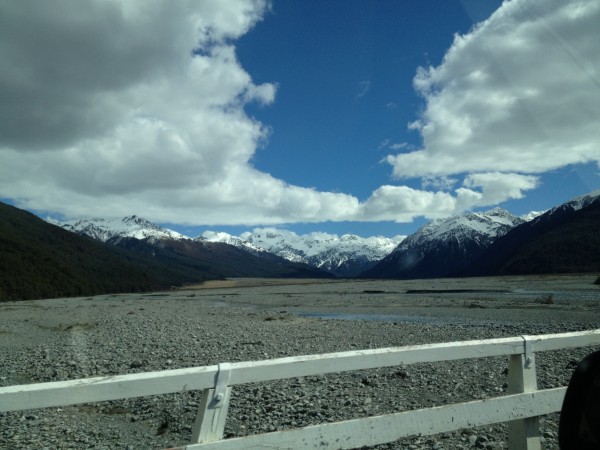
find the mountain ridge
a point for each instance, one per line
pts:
(41, 260)
(444, 246)
(344, 256)
(563, 239)
(218, 259)
(105, 229)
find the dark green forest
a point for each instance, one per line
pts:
(572, 245)
(40, 260)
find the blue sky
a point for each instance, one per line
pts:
(345, 72)
(338, 116)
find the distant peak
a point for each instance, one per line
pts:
(532, 215)
(130, 226)
(481, 225)
(584, 200)
(497, 211)
(135, 219)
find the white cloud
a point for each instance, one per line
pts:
(444, 183)
(363, 88)
(403, 204)
(112, 108)
(387, 143)
(520, 93)
(399, 145)
(495, 187)
(116, 107)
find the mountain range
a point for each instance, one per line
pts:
(41, 260)
(468, 244)
(344, 256)
(90, 256)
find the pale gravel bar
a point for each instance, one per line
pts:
(60, 339)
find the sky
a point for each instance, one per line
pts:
(340, 116)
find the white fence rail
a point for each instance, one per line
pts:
(521, 407)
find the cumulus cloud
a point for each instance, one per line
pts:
(518, 94)
(403, 204)
(444, 183)
(111, 108)
(114, 107)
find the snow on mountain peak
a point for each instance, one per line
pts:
(226, 238)
(575, 204)
(531, 215)
(131, 226)
(337, 254)
(478, 226)
(583, 200)
(313, 244)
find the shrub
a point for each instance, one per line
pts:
(547, 299)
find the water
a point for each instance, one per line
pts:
(373, 317)
(400, 318)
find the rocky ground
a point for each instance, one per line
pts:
(61, 339)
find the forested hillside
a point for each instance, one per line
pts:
(39, 260)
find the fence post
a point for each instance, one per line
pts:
(212, 411)
(523, 434)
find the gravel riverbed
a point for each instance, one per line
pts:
(62, 339)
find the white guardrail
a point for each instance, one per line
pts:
(521, 407)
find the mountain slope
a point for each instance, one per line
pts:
(444, 246)
(187, 256)
(40, 260)
(564, 239)
(344, 256)
(215, 259)
(106, 229)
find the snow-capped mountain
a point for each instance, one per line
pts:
(480, 227)
(184, 255)
(468, 244)
(574, 204)
(563, 239)
(445, 246)
(531, 215)
(345, 255)
(127, 227)
(226, 238)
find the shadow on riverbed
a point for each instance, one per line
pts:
(396, 318)
(458, 291)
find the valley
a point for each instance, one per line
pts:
(256, 319)
(95, 256)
